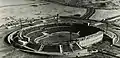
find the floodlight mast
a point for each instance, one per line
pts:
(44, 22)
(57, 18)
(20, 23)
(106, 28)
(71, 29)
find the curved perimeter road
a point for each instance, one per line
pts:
(116, 30)
(112, 32)
(87, 15)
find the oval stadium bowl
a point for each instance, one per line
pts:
(63, 39)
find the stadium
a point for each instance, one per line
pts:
(62, 38)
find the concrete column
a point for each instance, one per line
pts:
(61, 50)
(41, 47)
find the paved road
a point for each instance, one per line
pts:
(114, 28)
(87, 15)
